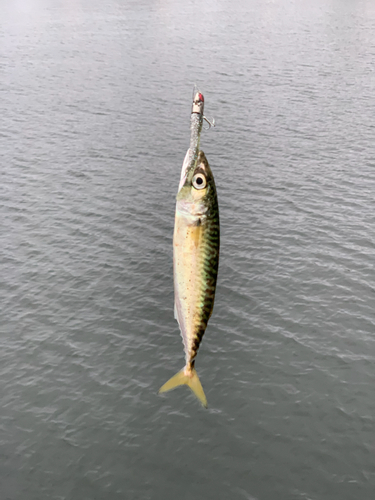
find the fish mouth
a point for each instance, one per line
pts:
(184, 169)
(188, 169)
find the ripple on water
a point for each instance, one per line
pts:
(91, 162)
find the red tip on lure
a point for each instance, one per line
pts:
(198, 103)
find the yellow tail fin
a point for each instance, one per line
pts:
(189, 378)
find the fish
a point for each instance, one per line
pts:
(196, 245)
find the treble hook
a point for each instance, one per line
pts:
(211, 124)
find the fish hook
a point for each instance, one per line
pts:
(210, 123)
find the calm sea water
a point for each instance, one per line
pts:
(95, 104)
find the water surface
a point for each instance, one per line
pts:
(95, 103)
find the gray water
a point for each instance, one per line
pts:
(95, 104)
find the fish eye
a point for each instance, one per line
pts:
(199, 181)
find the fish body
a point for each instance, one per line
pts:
(196, 242)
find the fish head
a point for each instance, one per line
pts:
(198, 188)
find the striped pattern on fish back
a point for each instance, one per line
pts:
(208, 260)
(209, 269)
